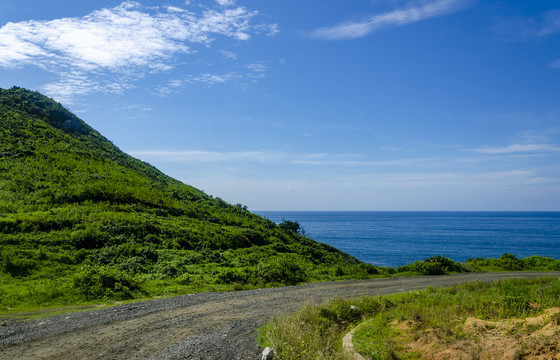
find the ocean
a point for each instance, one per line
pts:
(398, 238)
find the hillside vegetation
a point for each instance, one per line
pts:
(80, 220)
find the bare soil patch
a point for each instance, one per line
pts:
(512, 339)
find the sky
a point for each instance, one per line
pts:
(375, 105)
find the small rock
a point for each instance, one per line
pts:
(4, 323)
(268, 354)
(353, 308)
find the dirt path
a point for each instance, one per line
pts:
(217, 326)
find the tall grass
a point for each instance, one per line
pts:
(315, 332)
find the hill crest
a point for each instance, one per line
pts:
(101, 224)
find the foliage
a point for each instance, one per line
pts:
(105, 282)
(290, 226)
(509, 262)
(435, 265)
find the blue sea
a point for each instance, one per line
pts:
(399, 238)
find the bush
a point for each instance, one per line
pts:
(283, 270)
(510, 262)
(434, 265)
(230, 276)
(103, 282)
(89, 239)
(15, 266)
(184, 279)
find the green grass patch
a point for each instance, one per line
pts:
(316, 331)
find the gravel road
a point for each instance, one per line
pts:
(217, 326)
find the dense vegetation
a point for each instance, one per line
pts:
(80, 220)
(316, 331)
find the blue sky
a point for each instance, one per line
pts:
(308, 105)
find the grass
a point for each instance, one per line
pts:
(36, 282)
(316, 331)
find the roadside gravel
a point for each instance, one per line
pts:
(217, 326)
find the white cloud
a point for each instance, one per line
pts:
(175, 9)
(211, 79)
(174, 86)
(268, 29)
(411, 14)
(228, 54)
(257, 67)
(257, 70)
(225, 2)
(518, 148)
(126, 42)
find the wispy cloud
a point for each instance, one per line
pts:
(250, 72)
(530, 27)
(228, 54)
(267, 29)
(125, 42)
(518, 148)
(225, 2)
(246, 156)
(208, 79)
(257, 70)
(550, 24)
(276, 157)
(555, 64)
(414, 12)
(331, 180)
(257, 67)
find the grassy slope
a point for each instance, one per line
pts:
(316, 331)
(82, 221)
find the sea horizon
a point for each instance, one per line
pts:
(412, 211)
(395, 238)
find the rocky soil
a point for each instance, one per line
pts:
(535, 338)
(217, 326)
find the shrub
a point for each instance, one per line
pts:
(102, 282)
(435, 265)
(88, 239)
(184, 279)
(510, 262)
(283, 270)
(16, 266)
(230, 276)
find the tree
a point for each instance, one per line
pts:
(290, 226)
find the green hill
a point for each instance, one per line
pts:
(82, 221)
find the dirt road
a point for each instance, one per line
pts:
(217, 326)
